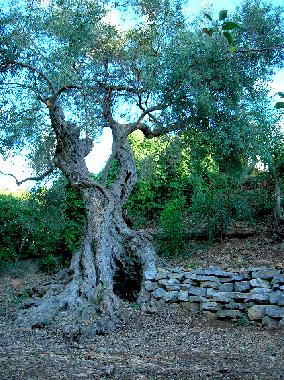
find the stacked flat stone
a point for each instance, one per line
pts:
(256, 294)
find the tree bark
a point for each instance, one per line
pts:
(110, 265)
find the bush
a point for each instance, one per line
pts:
(50, 263)
(173, 227)
(45, 223)
(221, 200)
(11, 228)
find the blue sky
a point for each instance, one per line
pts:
(18, 165)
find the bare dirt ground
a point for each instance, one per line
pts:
(166, 343)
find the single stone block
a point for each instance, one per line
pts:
(212, 271)
(176, 270)
(177, 276)
(230, 314)
(212, 306)
(183, 295)
(187, 275)
(235, 306)
(278, 279)
(159, 293)
(219, 296)
(265, 273)
(256, 312)
(185, 286)
(274, 311)
(226, 287)
(169, 282)
(196, 299)
(239, 295)
(242, 286)
(259, 283)
(277, 298)
(261, 290)
(150, 275)
(150, 285)
(256, 269)
(200, 277)
(210, 284)
(162, 274)
(209, 314)
(237, 277)
(170, 296)
(259, 311)
(173, 287)
(258, 297)
(225, 280)
(197, 291)
(269, 322)
(187, 281)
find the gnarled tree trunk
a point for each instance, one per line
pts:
(110, 265)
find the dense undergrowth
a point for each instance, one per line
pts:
(46, 223)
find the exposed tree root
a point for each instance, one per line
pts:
(91, 297)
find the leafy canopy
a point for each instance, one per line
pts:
(179, 76)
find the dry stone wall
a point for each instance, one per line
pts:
(255, 294)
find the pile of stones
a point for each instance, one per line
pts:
(254, 294)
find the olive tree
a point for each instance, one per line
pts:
(66, 74)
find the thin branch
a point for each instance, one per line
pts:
(38, 178)
(277, 47)
(68, 88)
(158, 107)
(31, 88)
(34, 70)
(139, 125)
(132, 90)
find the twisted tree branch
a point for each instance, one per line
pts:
(37, 178)
(34, 70)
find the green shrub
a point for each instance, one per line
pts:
(50, 263)
(45, 223)
(11, 229)
(221, 200)
(173, 227)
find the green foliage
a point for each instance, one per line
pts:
(280, 105)
(221, 200)
(75, 217)
(163, 176)
(214, 100)
(243, 320)
(172, 222)
(11, 228)
(223, 15)
(44, 223)
(50, 263)
(183, 189)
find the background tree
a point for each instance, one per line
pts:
(66, 74)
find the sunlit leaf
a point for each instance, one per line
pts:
(207, 15)
(279, 105)
(223, 14)
(228, 37)
(281, 94)
(233, 49)
(230, 25)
